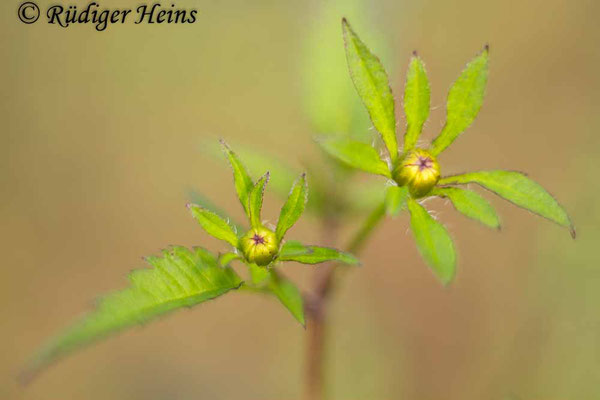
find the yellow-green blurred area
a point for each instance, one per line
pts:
(103, 137)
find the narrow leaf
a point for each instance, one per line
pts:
(228, 258)
(295, 251)
(470, 204)
(433, 241)
(214, 225)
(395, 199)
(180, 278)
(517, 188)
(204, 202)
(371, 83)
(288, 294)
(356, 155)
(243, 182)
(416, 101)
(464, 101)
(255, 201)
(293, 207)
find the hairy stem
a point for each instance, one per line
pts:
(317, 302)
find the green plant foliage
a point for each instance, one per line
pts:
(356, 155)
(243, 182)
(295, 251)
(464, 101)
(371, 82)
(417, 169)
(416, 101)
(519, 190)
(395, 199)
(433, 241)
(179, 278)
(214, 225)
(293, 207)
(288, 294)
(204, 202)
(470, 204)
(255, 201)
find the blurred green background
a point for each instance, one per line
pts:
(103, 138)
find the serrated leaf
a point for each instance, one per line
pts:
(395, 199)
(416, 101)
(180, 278)
(214, 225)
(356, 155)
(204, 202)
(470, 204)
(371, 83)
(243, 182)
(255, 201)
(464, 101)
(517, 188)
(288, 294)
(295, 251)
(293, 207)
(433, 241)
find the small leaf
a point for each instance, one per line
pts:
(258, 274)
(517, 188)
(356, 154)
(204, 202)
(288, 294)
(180, 278)
(464, 101)
(416, 101)
(295, 251)
(228, 258)
(395, 199)
(433, 241)
(214, 225)
(293, 207)
(243, 182)
(255, 201)
(470, 204)
(371, 83)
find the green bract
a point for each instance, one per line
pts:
(415, 170)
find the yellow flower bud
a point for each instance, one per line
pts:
(260, 246)
(419, 170)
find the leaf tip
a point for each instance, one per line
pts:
(415, 54)
(486, 48)
(573, 232)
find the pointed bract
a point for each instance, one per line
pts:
(416, 101)
(356, 155)
(243, 182)
(293, 207)
(255, 201)
(371, 83)
(214, 225)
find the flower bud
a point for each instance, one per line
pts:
(260, 246)
(419, 170)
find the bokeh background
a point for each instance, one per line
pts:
(104, 138)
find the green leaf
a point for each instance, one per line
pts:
(470, 204)
(356, 154)
(258, 274)
(214, 225)
(243, 182)
(204, 202)
(255, 201)
(371, 83)
(288, 294)
(395, 199)
(517, 188)
(464, 101)
(228, 258)
(293, 207)
(295, 251)
(433, 241)
(416, 101)
(180, 278)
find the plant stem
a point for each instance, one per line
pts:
(317, 301)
